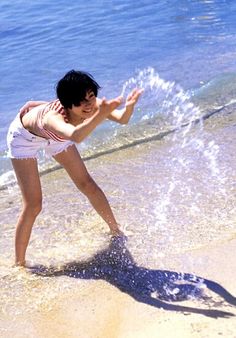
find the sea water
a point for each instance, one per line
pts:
(188, 42)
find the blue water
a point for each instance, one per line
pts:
(189, 42)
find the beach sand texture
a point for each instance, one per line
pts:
(96, 287)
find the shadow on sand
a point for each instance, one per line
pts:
(158, 288)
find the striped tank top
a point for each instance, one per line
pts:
(55, 106)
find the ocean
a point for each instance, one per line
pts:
(169, 174)
(188, 42)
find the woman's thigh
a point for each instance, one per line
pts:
(28, 179)
(71, 160)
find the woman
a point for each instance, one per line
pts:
(55, 127)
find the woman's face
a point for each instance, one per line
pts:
(87, 107)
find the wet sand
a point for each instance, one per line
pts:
(100, 310)
(111, 313)
(105, 306)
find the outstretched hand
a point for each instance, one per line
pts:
(133, 97)
(107, 106)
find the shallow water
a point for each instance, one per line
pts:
(166, 207)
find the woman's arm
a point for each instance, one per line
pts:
(55, 122)
(122, 116)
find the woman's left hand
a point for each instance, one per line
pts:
(133, 97)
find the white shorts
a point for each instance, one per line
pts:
(22, 144)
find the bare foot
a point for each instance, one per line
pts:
(118, 234)
(19, 264)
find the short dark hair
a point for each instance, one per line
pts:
(74, 86)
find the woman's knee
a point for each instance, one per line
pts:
(87, 186)
(33, 207)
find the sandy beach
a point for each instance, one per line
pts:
(100, 310)
(98, 288)
(111, 313)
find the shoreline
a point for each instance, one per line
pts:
(112, 300)
(135, 141)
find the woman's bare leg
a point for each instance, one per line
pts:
(28, 179)
(70, 159)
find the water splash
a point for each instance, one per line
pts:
(191, 192)
(163, 98)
